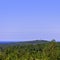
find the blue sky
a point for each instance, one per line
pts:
(22, 20)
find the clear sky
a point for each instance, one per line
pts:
(22, 20)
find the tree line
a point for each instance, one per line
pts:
(45, 51)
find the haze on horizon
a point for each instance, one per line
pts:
(22, 20)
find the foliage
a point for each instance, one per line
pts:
(44, 51)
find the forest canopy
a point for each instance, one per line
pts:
(43, 51)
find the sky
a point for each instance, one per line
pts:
(24, 20)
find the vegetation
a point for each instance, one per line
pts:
(42, 51)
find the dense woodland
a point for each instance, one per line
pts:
(44, 51)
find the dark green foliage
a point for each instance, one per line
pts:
(44, 51)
